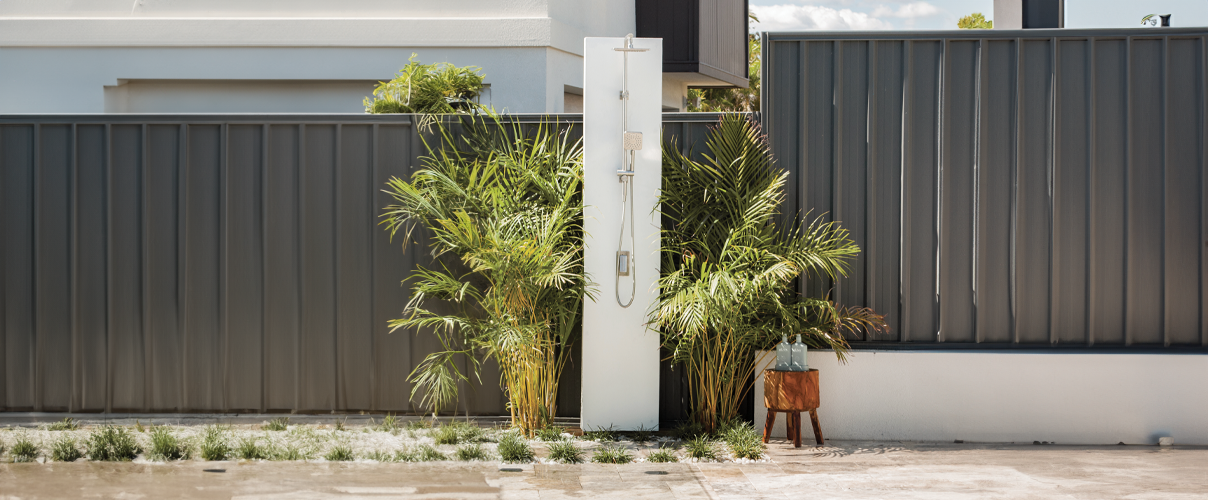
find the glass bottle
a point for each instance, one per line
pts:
(798, 356)
(784, 356)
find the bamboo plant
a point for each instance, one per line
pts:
(501, 206)
(730, 268)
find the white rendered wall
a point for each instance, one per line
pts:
(1008, 397)
(57, 57)
(620, 355)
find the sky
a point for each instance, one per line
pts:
(798, 15)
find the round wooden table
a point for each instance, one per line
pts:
(791, 393)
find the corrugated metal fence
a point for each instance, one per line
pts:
(212, 263)
(1010, 188)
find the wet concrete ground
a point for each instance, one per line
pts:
(840, 470)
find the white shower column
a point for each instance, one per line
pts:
(620, 354)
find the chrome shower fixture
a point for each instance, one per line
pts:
(631, 142)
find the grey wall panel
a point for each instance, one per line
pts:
(162, 284)
(886, 73)
(1027, 188)
(1145, 197)
(244, 272)
(53, 272)
(958, 187)
(204, 334)
(355, 227)
(90, 367)
(1108, 196)
(995, 192)
(851, 156)
(17, 143)
(1033, 200)
(1071, 201)
(282, 282)
(1184, 148)
(920, 176)
(126, 344)
(317, 386)
(391, 264)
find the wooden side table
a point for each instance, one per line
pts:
(791, 393)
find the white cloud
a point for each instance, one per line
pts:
(813, 17)
(911, 10)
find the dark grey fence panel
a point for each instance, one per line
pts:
(162, 263)
(1009, 188)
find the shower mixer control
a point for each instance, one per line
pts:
(623, 263)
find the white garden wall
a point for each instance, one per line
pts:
(1016, 397)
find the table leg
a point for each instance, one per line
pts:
(817, 427)
(796, 429)
(767, 425)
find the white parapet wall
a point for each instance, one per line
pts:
(620, 354)
(1005, 397)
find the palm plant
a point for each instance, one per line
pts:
(729, 268)
(502, 207)
(428, 88)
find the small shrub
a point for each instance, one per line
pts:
(427, 453)
(469, 452)
(642, 435)
(339, 453)
(513, 448)
(249, 450)
(742, 439)
(276, 424)
(112, 444)
(428, 88)
(67, 424)
(688, 430)
(701, 448)
(65, 450)
(549, 434)
(166, 447)
(215, 445)
(663, 455)
(565, 452)
(24, 450)
(602, 434)
(612, 455)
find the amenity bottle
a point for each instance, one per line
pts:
(784, 356)
(798, 357)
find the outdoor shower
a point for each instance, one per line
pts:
(631, 142)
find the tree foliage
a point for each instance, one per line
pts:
(729, 268)
(428, 88)
(975, 21)
(502, 206)
(733, 99)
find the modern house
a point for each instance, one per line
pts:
(155, 56)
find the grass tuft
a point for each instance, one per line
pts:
(339, 453)
(458, 433)
(390, 424)
(215, 445)
(340, 424)
(688, 430)
(110, 443)
(565, 452)
(65, 450)
(287, 453)
(550, 434)
(427, 453)
(513, 448)
(67, 424)
(249, 449)
(24, 450)
(742, 439)
(642, 435)
(663, 455)
(276, 424)
(602, 434)
(701, 448)
(469, 452)
(382, 456)
(611, 454)
(165, 446)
